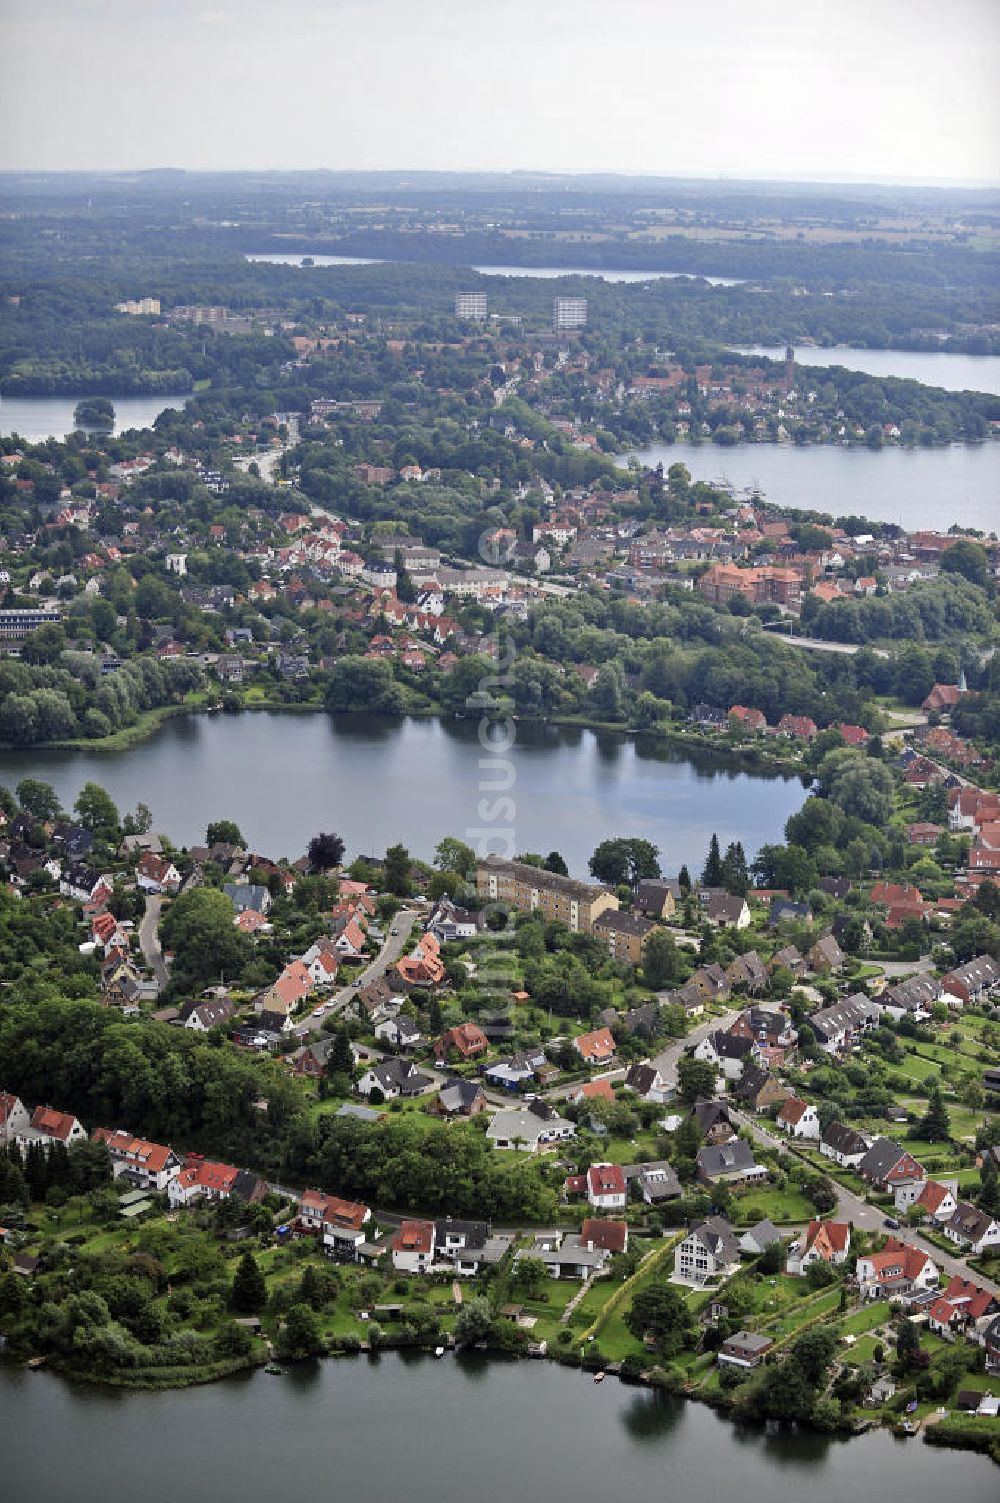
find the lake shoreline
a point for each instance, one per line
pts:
(654, 1378)
(750, 758)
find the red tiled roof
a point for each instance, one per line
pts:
(612, 1236)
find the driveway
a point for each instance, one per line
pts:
(854, 1208)
(392, 948)
(149, 939)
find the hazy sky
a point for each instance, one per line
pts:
(906, 89)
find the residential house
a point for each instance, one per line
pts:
(606, 1188)
(394, 1078)
(725, 909)
(201, 1016)
(709, 1251)
(459, 1098)
(653, 1182)
(972, 1229)
(798, 1118)
(727, 1052)
(146, 1166)
(47, 1126)
(413, 1247)
(897, 1271)
(157, 874)
(714, 1122)
(788, 958)
(845, 1145)
(248, 897)
(961, 1306)
(596, 1048)
(342, 1228)
(625, 934)
(785, 911)
(656, 899)
(936, 1200)
(759, 1237)
(746, 1349)
(731, 1163)
(533, 1128)
(400, 1032)
(823, 1242)
(970, 982)
(825, 955)
(747, 973)
(839, 1026)
(201, 1179)
(466, 1041)
(647, 1082)
(886, 1165)
(766, 1025)
(14, 1117)
(757, 1089)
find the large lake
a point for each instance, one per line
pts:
(953, 372)
(439, 1432)
(546, 273)
(913, 487)
(39, 418)
(377, 780)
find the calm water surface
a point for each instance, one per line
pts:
(377, 779)
(546, 273)
(439, 1432)
(953, 372)
(39, 418)
(912, 487)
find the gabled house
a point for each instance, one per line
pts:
(845, 1145)
(757, 1089)
(146, 1166)
(748, 973)
(413, 1247)
(839, 1026)
(886, 1165)
(727, 1052)
(342, 1229)
(972, 1229)
(400, 1032)
(653, 1182)
(725, 910)
(200, 1179)
(825, 956)
(709, 1251)
(466, 1040)
(798, 1118)
(714, 1122)
(395, 1077)
(961, 1306)
(595, 1048)
(459, 1098)
(14, 1117)
(971, 982)
(48, 1126)
(606, 1188)
(657, 899)
(647, 1082)
(898, 1271)
(533, 1128)
(936, 1200)
(731, 1163)
(759, 1237)
(822, 1241)
(157, 874)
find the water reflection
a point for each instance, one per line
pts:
(651, 1415)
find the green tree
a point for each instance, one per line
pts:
(711, 875)
(453, 855)
(622, 859)
(198, 927)
(96, 811)
(695, 1079)
(969, 559)
(300, 1335)
(325, 852)
(38, 798)
(474, 1322)
(249, 1292)
(661, 962)
(397, 871)
(224, 832)
(935, 1124)
(660, 1312)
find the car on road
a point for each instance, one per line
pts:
(394, 931)
(891, 1223)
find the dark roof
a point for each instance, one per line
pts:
(751, 1082)
(733, 1157)
(708, 1113)
(845, 1139)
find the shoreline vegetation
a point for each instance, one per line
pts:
(151, 722)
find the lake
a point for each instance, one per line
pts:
(39, 418)
(380, 779)
(913, 487)
(953, 372)
(546, 273)
(439, 1432)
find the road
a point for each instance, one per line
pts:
(666, 1061)
(149, 939)
(854, 1208)
(392, 948)
(818, 645)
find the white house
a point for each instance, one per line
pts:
(972, 1229)
(936, 1198)
(401, 1032)
(897, 1271)
(821, 1242)
(798, 1118)
(14, 1117)
(47, 1126)
(844, 1145)
(727, 1052)
(606, 1187)
(709, 1251)
(530, 1129)
(413, 1247)
(147, 1166)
